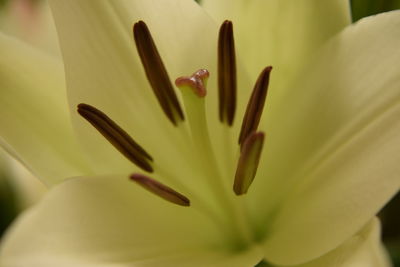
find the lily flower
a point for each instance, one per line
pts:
(241, 166)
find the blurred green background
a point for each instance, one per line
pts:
(8, 206)
(364, 8)
(390, 215)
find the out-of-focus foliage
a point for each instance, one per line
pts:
(390, 217)
(19, 189)
(8, 203)
(364, 8)
(5, 2)
(2, 3)
(262, 264)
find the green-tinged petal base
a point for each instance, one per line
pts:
(110, 221)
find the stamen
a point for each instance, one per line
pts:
(156, 73)
(226, 73)
(117, 137)
(160, 189)
(197, 82)
(248, 162)
(255, 106)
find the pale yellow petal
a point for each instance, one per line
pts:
(281, 33)
(278, 33)
(103, 69)
(332, 158)
(35, 126)
(364, 249)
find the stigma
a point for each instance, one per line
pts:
(196, 82)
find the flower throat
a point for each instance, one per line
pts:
(193, 91)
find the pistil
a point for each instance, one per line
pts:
(195, 111)
(193, 91)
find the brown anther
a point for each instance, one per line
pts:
(255, 105)
(226, 73)
(117, 137)
(248, 162)
(156, 73)
(160, 189)
(197, 82)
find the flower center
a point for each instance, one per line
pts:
(193, 118)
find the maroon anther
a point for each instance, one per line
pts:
(160, 189)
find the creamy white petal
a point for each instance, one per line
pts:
(35, 125)
(333, 146)
(103, 69)
(281, 33)
(110, 221)
(364, 249)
